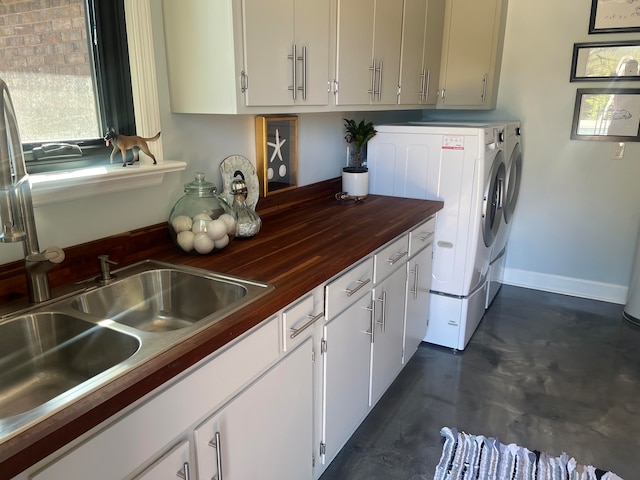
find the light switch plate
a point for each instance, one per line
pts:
(617, 151)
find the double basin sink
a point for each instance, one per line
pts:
(55, 353)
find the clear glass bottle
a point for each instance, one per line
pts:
(201, 222)
(248, 221)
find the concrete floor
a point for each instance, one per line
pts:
(545, 371)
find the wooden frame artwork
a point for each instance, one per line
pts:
(614, 16)
(607, 114)
(277, 153)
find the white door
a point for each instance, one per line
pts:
(388, 332)
(467, 52)
(173, 464)
(355, 51)
(312, 30)
(267, 46)
(346, 374)
(265, 432)
(418, 286)
(514, 176)
(386, 51)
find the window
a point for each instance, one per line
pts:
(67, 67)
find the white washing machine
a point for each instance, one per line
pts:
(513, 156)
(463, 166)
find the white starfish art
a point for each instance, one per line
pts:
(277, 147)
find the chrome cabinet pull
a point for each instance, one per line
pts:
(303, 59)
(379, 93)
(383, 317)
(415, 282)
(294, 63)
(217, 444)
(421, 94)
(425, 236)
(372, 309)
(484, 87)
(372, 90)
(426, 88)
(397, 257)
(184, 473)
(361, 283)
(312, 319)
(244, 81)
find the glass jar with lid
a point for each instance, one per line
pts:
(201, 222)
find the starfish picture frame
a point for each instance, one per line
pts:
(276, 153)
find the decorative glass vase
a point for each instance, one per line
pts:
(201, 222)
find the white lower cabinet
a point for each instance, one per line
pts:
(388, 329)
(266, 431)
(174, 464)
(347, 352)
(418, 286)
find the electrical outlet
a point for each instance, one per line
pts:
(617, 152)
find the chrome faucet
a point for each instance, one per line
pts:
(17, 219)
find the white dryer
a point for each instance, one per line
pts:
(513, 156)
(464, 167)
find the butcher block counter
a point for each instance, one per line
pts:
(307, 237)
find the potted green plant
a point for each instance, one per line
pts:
(355, 176)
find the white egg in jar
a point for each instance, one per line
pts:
(216, 229)
(185, 240)
(221, 242)
(182, 223)
(230, 222)
(202, 243)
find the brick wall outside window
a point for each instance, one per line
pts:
(43, 36)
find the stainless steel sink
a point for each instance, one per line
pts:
(46, 354)
(162, 299)
(56, 352)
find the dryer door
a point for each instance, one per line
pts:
(492, 203)
(513, 183)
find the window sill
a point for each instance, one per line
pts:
(63, 186)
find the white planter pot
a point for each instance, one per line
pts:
(355, 184)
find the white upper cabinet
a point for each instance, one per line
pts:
(422, 26)
(472, 53)
(226, 56)
(286, 52)
(368, 52)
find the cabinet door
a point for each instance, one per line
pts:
(433, 50)
(268, 43)
(417, 316)
(312, 31)
(174, 464)
(388, 332)
(265, 432)
(346, 375)
(468, 48)
(386, 51)
(355, 52)
(412, 73)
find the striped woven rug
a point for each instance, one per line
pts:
(474, 457)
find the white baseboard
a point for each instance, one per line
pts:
(575, 287)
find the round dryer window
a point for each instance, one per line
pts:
(493, 200)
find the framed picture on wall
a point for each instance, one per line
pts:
(614, 16)
(605, 61)
(277, 153)
(607, 114)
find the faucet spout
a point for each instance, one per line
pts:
(17, 219)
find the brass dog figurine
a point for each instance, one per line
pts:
(125, 142)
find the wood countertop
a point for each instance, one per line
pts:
(307, 237)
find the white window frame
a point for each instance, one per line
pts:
(56, 187)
